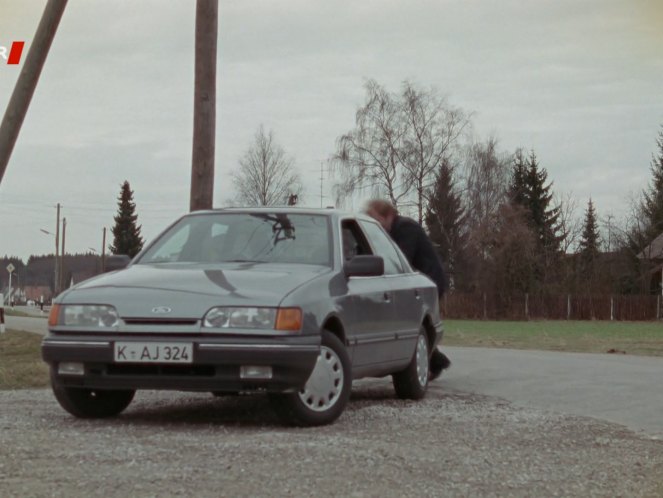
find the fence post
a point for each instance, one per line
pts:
(568, 307)
(485, 312)
(2, 314)
(527, 305)
(612, 308)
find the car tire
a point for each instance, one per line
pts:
(327, 391)
(91, 403)
(411, 383)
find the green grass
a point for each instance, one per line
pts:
(20, 361)
(637, 338)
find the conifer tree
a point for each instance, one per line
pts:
(126, 233)
(652, 203)
(589, 241)
(445, 219)
(518, 185)
(529, 189)
(543, 215)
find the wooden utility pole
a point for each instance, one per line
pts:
(103, 252)
(204, 106)
(64, 233)
(56, 284)
(27, 80)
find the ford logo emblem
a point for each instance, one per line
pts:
(161, 310)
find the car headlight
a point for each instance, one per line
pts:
(241, 318)
(84, 315)
(223, 317)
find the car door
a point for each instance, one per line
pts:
(369, 304)
(403, 319)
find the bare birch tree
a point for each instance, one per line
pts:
(371, 156)
(266, 176)
(570, 225)
(486, 182)
(433, 128)
(397, 145)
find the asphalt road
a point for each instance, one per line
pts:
(623, 389)
(29, 324)
(620, 388)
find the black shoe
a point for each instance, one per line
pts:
(438, 362)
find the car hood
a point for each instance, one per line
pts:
(190, 290)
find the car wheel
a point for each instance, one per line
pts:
(91, 403)
(412, 382)
(327, 391)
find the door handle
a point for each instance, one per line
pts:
(387, 297)
(416, 294)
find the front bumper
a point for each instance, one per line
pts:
(215, 367)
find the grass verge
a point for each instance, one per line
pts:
(20, 361)
(637, 338)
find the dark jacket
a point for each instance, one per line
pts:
(418, 250)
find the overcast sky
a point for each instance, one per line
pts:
(578, 81)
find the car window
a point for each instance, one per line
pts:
(384, 247)
(353, 241)
(171, 249)
(257, 237)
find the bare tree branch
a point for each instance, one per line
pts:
(266, 176)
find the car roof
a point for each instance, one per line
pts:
(330, 212)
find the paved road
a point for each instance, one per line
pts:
(33, 310)
(618, 388)
(29, 324)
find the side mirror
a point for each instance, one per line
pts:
(364, 266)
(116, 262)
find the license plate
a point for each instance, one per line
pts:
(153, 352)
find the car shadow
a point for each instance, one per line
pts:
(174, 410)
(237, 411)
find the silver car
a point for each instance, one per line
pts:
(292, 302)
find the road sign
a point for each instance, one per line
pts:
(10, 267)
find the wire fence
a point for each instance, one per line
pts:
(557, 307)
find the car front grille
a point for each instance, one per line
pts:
(160, 322)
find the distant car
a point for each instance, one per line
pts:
(293, 302)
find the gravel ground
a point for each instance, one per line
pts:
(182, 444)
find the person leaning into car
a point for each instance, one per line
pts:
(419, 251)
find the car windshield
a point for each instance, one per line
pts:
(244, 237)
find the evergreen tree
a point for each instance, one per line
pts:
(445, 219)
(126, 234)
(530, 191)
(518, 185)
(539, 197)
(652, 203)
(589, 241)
